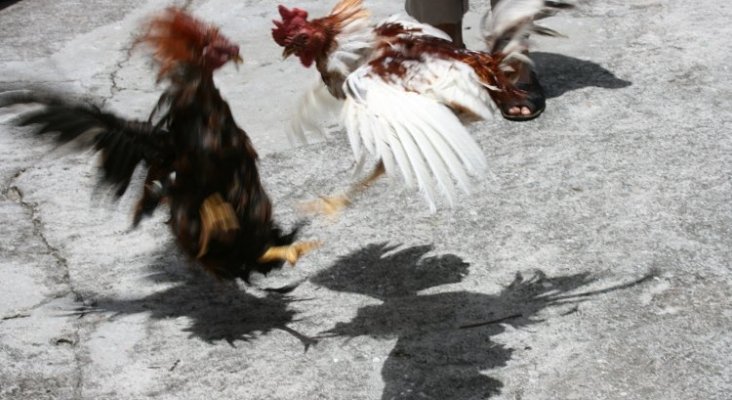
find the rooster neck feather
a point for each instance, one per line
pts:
(350, 39)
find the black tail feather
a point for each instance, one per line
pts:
(123, 144)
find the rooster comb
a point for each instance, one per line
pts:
(175, 37)
(292, 21)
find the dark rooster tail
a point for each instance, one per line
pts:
(122, 144)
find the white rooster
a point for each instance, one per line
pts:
(405, 88)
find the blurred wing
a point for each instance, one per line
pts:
(123, 144)
(507, 26)
(316, 106)
(409, 126)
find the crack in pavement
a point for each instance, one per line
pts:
(10, 192)
(38, 230)
(114, 75)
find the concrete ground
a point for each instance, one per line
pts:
(595, 264)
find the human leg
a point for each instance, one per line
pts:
(446, 15)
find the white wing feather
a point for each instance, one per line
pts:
(315, 106)
(413, 132)
(453, 83)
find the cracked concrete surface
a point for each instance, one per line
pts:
(595, 264)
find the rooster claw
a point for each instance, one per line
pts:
(290, 253)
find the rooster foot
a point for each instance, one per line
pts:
(290, 253)
(330, 206)
(218, 220)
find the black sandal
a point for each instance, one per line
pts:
(534, 99)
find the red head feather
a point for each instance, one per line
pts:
(292, 22)
(177, 37)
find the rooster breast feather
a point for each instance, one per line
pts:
(315, 107)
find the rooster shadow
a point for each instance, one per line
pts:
(444, 340)
(560, 74)
(218, 310)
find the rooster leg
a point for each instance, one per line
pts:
(332, 205)
(218, 220)
(290, 253)
(364, 184)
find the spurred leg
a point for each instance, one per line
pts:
(332, 205)
(218, 221)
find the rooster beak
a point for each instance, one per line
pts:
(288, 51)
(237, 61)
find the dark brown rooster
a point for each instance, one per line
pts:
(198, 159)
(404, 84)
